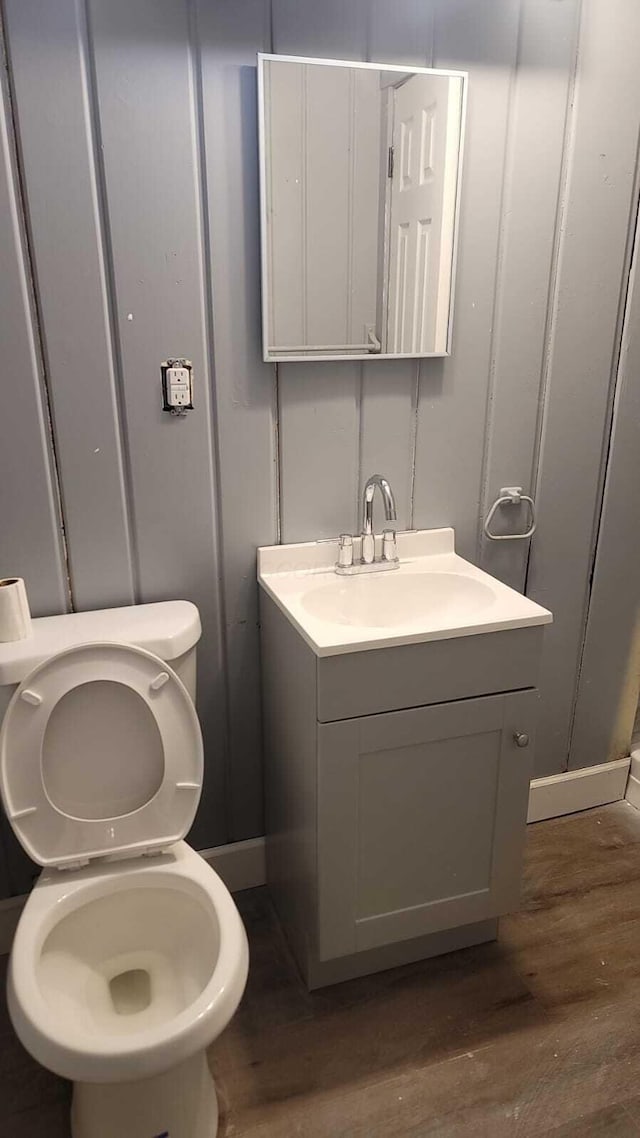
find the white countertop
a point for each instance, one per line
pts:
(434, 595)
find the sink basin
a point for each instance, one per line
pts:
(434, 595)
(387, 600)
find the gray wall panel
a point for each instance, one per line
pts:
(245, 392)
(610, 666)
(401, 32)
(453, 392)
(388, 410)
(331, 30)
(31, 544)
(591, 279)
(50, 73)
(319, 433)
(30, 538)
(148, 128)
(534, 169)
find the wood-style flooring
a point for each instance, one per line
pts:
(536, 1034)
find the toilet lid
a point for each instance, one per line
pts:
(100, 753)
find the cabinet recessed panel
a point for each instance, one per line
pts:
(425, 822)
(421, 820)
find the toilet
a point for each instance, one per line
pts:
(130, 956)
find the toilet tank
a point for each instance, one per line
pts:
(169, 629)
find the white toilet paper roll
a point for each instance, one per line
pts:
(15, 617)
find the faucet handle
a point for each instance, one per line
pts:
(345, 549)
(389, 546)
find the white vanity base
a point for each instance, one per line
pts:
(180, 1103)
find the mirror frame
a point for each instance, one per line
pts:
(278, 357)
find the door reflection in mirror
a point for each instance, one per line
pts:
(360, 181)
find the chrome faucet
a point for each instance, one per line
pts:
(368, 562)
(368, 539)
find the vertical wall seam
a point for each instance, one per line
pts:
(550, 321)
(367, 17)
(278, 453)
(495, 311)
(432, 53)
(359, 400)
(554, 277)
(195, 61)
(39, 343)
(351, 175)
(616, 352)
(99, 185)
(413, 441)
(277, 394)
(414, 409)
(304, 96)
(614, 396)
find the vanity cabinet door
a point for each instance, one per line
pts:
(421, 819)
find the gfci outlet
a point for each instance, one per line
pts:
(177, 386)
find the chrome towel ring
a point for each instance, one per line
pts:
(514, 496)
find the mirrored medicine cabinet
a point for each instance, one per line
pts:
(360, 174)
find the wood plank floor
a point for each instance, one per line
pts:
(536, 1034)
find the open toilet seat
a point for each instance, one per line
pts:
(100, 754)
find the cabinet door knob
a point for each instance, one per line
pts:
(521, 738)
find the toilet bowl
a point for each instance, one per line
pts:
(127, 973)
(130, 956)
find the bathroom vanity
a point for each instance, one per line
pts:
(400, 715)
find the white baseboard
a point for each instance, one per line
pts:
(633, 786)
(583, 789)
(241, 865)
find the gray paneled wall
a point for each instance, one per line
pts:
(30, 520)
(136, 130)
(59, 151)
(595, 232)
